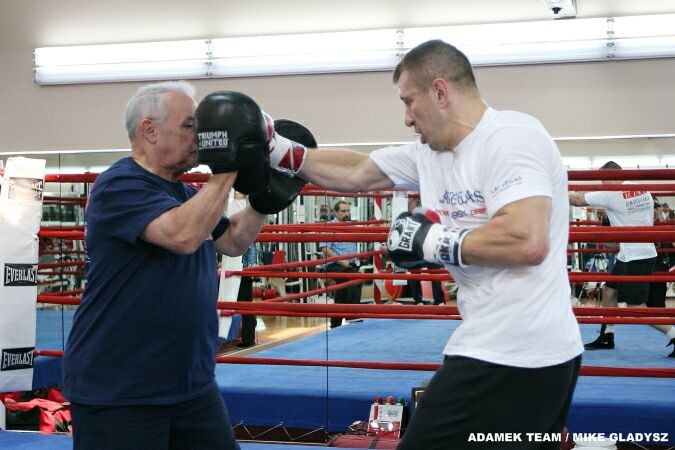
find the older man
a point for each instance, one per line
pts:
(139, 363)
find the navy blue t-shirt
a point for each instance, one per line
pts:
(146, 331)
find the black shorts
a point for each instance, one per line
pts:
(467, 397)
(199, 424)
(632, 293)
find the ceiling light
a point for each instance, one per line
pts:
(559, 41)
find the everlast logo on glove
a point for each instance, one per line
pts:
(213, 140)
(401, 236)
(17, 358)
(20, 274)
(25, 189)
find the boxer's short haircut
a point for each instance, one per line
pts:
(437, 59)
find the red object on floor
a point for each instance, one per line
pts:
(52, 416)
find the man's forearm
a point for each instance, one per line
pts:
(332, 169)
(243, 230)
(184, 228)
(343, 170)
(328, 253)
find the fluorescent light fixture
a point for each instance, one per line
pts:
(101, 73)
(513, 54)
(639, 37)
(310, 43)
(298, 64)
(538, 42)
(122, 62)
(121, 53)
(521, 43)
(353, 51)
(642, 48)
(510, 33)
(645, 26)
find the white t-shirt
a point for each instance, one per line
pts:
(520, 316)
(627, 209)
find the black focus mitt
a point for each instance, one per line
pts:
(232, 136)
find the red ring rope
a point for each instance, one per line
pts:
(573, 175)
(305, 294)
(60, 264)
(435, 310)
(378, 234)
(593, 371)
(315, 262)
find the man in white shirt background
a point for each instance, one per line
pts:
(625, 208)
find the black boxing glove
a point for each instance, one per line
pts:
(280, 194)
(232, 136)
(282, 190)
(414, 239)
(254, 180)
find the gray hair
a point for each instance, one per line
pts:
(149, 101)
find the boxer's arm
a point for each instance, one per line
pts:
(516, 235)
(244, 228)
(184, 228)
(578, 199)
(344, 170)
(340, 170)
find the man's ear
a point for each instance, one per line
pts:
(441, 91)
(148, 130)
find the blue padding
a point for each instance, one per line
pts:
(53, 327)
(28, 441)
(309, 397)
(312, 397)
(33, 441)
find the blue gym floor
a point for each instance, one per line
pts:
(333, 398)
(12, 440)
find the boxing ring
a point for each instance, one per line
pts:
(332, 398)
(324, 382)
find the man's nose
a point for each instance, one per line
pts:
(409, 122)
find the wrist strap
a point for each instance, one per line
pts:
(288, 156)
(444, 245)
